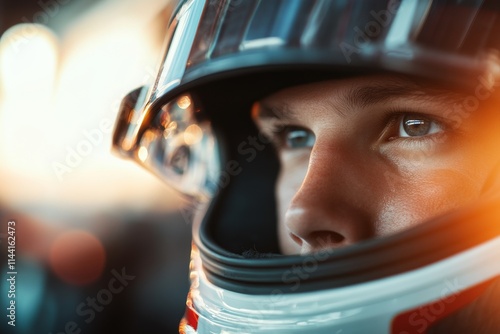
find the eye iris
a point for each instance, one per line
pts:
(416, 126)
(298, 139)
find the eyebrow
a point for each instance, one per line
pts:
(280, 111)
(376, 92)
(383, 92)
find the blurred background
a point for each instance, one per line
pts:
(101, 245)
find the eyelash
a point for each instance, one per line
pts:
(395, 117)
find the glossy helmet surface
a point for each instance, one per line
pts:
(193, 128)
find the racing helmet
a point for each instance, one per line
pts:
(193, 128)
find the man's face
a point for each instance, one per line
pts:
(370, 156)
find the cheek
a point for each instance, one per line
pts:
(426, 184)
(424, 194)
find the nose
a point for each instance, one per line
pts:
(333, 206)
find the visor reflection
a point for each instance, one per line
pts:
(178, 145)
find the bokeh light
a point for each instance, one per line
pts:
(193, 134)
(29, 55)
(77, 257)
(77, 206)
(184, 102)
(60, 92)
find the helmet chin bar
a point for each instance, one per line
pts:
(411, 302)
(418, 247)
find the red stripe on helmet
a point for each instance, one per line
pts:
(419, 320)
(190, 319)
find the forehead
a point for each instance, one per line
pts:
(359, 92)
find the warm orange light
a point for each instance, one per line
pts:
(127, 144)
(56, 115)
(165, 118)
(193, 134)
(184, 102)
(77, 257)
(169, 130)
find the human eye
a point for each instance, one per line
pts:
(413, 125)
(296, 137)
(293, 137)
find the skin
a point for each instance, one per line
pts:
(369, 156)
